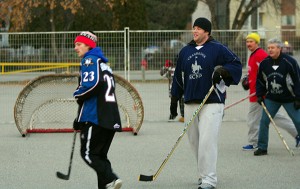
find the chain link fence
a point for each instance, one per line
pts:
(137, 55)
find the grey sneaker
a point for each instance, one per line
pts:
(206, 186)
(116, 184)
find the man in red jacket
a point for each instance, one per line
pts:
(255, 110)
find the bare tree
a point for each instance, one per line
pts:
(22, 12)
(246, 8)
(220, 17)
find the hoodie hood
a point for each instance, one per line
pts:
(98, 53)
(208, 40)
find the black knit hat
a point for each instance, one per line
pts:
(203, 23)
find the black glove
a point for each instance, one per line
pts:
(297, 104)
(173, 106)
(216, 78)
(219, 74)
(245, 82)
(260, 99)
(77, 125)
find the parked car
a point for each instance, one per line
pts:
(154, 56)
(174, 45)
(149, 56)
(170, 45)
(151, 50)
(288, 48)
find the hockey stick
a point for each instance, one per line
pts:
(61, 175)
(237, 102)
(187, 125)
(278, 132)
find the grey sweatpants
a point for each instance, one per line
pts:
(203, 137)
(254, 117)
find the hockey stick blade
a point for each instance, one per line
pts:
(146, 178)
(62, 176)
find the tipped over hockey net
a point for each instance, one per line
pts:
(46, 105)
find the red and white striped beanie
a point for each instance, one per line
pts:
(87, 38)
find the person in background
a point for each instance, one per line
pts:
(98, 116)
(168, 71)
(255, 110)
(204, 62)
(278, 84)
(144, 63)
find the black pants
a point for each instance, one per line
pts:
(95, 143)
(181, 101)
(181, 106)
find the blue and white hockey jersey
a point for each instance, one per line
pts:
(97, 92)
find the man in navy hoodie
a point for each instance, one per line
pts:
(202, 63)
(278, 80)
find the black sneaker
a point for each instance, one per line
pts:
(199, 181)
(297, 141)
(172, 118)
(260, 152)
(205, 186)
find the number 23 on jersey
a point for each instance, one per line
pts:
(109, 95)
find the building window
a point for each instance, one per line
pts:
(288, 20)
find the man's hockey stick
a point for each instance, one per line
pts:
(241, 100)
(278, 132)
(61, 175)
(187, 125)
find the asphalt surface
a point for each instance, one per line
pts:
(32, 162)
